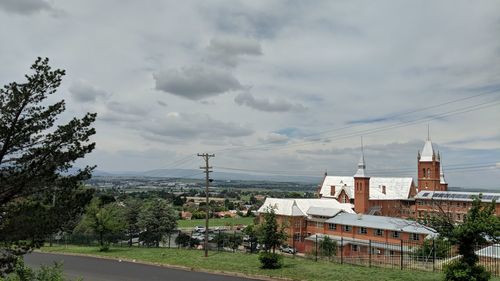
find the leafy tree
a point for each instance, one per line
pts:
(184, 240)
(479, 227)
(131, 214)
(327, 247)
(36, 183)
(106, 221)
(269, 233)
(178, 201)
(156, 219)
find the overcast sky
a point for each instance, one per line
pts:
(279, 86)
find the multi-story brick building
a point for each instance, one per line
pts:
(386, 196)
(301, 216)
(358, 232)
(454, 204)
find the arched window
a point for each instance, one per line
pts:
(428, 173)
(423, 172)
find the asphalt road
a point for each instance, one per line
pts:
(95, 269)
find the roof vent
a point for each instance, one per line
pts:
(360, 216)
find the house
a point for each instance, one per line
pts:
(185, 215)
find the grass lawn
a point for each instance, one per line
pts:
(296, 269)
(216, 222)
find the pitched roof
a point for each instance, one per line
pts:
(457, 196)
(322, 211)
(427, 151)
(380, 222)
(395, 188)
(300, 206)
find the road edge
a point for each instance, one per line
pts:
(172, 266)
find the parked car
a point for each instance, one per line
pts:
(288, 249)
(199, 229)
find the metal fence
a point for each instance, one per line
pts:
(429, 255)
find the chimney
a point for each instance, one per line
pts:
(383, 189)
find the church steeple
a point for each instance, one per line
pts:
(361, 172)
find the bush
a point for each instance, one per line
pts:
(45, 273)
(270, 260)
(461, 271)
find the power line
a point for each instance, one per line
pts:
(373, 130)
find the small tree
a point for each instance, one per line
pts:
(131, 213)
(479, 226)
(271, 235)
(156, 219)
(327, 247)
(105, 221)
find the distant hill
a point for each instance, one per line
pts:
(198, 174)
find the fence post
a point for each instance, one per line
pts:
(433, 254)
(341, 250)
(316, 258)
(401, 254)
(370, 253)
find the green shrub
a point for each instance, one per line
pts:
(270, 260)
(45, 273)
(461, 271)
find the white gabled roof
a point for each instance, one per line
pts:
(322, 211)
(427, 152)
(380, 222)
(395, 188)
(300, 206)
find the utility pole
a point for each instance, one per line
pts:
(207, 170)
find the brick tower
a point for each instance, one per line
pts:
(429, 169)
(361, 187)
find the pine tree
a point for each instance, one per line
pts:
(38, 191)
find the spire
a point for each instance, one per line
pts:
(428, 133)
(441, 174)
(361, 173)
(428, 154)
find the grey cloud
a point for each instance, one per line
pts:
(123, 112)
(82, 91)
(228, 50)
(191, 126)
(25, 7)
(196, 82)
(161, 103)
(264, 104)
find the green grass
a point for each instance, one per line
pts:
(295, 268)
(216, 222)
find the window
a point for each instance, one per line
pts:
(362, 230)
(420, 203)
(319, 225)
(354, 248)
(378, 232)
(428, 173)
(396, 234)
(344, 199)
(296, 236)
(347, 228)
(458, 216)
(415, 237)
(332, 226)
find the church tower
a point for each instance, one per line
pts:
(361, 187)
(429, 169)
